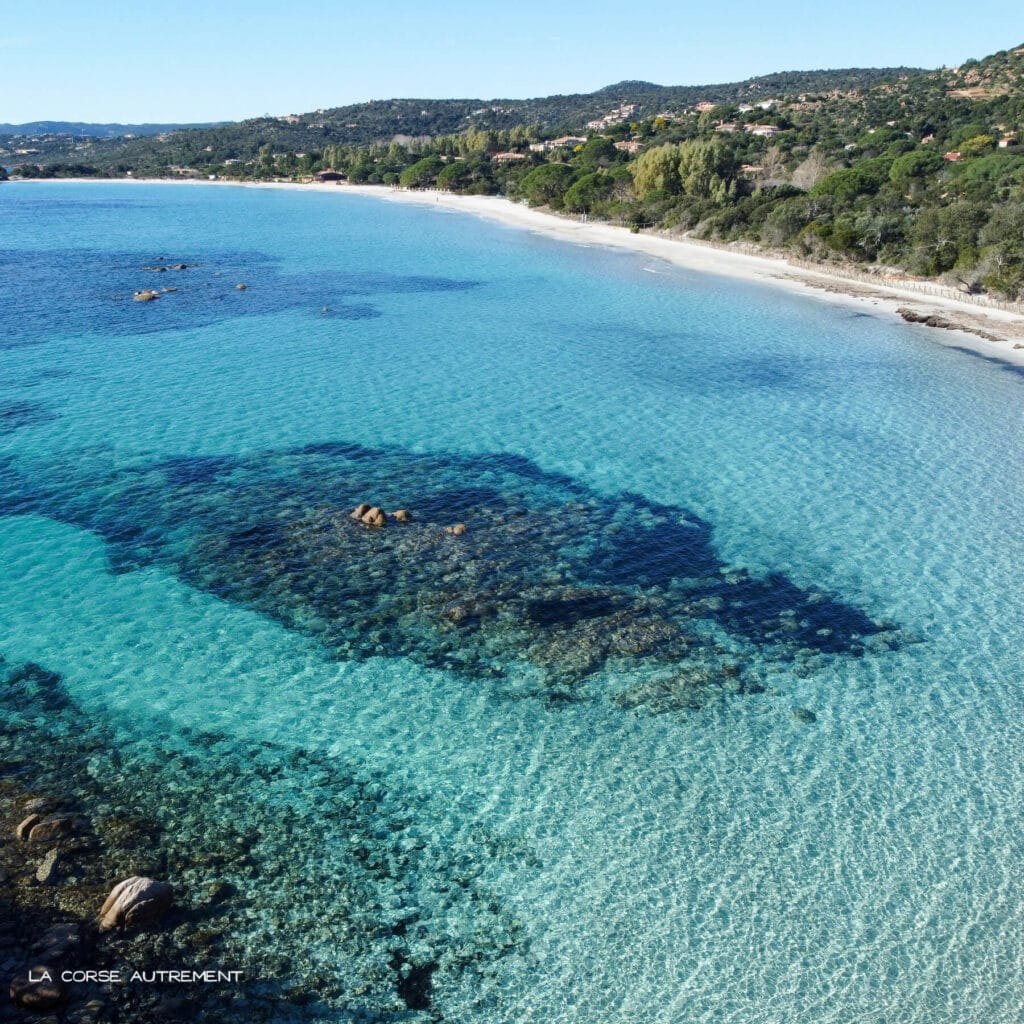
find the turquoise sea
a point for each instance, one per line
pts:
(715, 713)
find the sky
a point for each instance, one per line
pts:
(219, 60)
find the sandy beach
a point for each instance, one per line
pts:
(991, 331)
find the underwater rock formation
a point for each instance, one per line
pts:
(547, 574)
(135, 901)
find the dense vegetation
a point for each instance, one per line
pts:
(918, 170)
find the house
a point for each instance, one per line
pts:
(766, 131)
(1009, 139)
(506, 158)
(629, 146)
(617, 116)
(571, 141)
(704, 106)
(952, 156)
(727, 128)
(330, 176)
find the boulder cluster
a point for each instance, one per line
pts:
(373, 515)
(133, 903)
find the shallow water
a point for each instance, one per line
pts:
(561, 768)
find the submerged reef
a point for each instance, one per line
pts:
(547, 576)
(329, 886)
(114, 295)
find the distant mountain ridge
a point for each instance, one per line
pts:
(377, 120)
(90, 130)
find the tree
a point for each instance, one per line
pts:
(707, 170)
(599, 152)
(547, 184)
(811, 170)
(657, 170)
(913, 167)
(422, 173)
(977, 145)
(588, 191)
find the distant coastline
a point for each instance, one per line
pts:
(993, 332)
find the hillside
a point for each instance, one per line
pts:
(86, 129)
(897, 170)
(363, 124)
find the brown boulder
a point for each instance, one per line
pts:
(47, 870)
(401, 516)
(39, 989)
(457, 530)
(240, 287)
(146, 296)
(135, 901)
(360, 510)
(374, 517)
(51, 828)
(27, 825)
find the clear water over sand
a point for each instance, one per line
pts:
(714, 713)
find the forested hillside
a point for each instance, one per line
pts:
(895, 168)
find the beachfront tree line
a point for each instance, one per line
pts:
(889, 200)
(924, 173)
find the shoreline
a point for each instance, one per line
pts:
(989, 331)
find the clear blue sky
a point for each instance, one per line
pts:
(206, 60)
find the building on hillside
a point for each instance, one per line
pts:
(952, 156)
(766, 131)
(704, 106)
(616, 116)
(727, 127)
(506, 158)
(629, 146)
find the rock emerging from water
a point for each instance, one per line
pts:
(240, 287)
(934, 320)
(401, 516)
(148, 295)
(135, 901)
(370, 515)
(457, 530)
